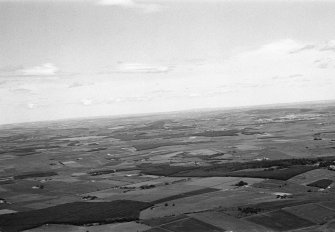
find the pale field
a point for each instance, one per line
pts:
(6, 211)
(3, 189)
(228, 198)
(272, 186)
(164, 158)
(205, 152)
(44, 203)
(146, 194)
(316, 228)
(223, 183)
(246, 146)
(7, 157)
(328, 204)
(82, 138)
(157, 181)
(62, 178)
(113, 182)
(28, 197)
(72, 164)
(59, 187)
(115, 227)
(313, 175)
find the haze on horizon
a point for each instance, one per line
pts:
(81, 58)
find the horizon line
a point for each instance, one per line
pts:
(156, 113)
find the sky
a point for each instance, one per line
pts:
(82, 58)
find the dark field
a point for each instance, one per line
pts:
(284, 169)
(154, 173)
(277, 174)
(324, 183)
(187, 194)
(77, 213)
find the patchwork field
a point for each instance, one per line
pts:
(259, 169)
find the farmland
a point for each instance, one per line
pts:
(253, 169)
(77, 213)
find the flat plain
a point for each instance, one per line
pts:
(268, 168)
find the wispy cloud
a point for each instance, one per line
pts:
(325, 62)
(127, 99)
(31, 105)
(122, 67)
(303, 48)
(329, 46)
(86, 101)
(78, 84)
(22, 90)
(132, 4)
(47, 69)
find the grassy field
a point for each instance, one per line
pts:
(312, 212)
(267, 206)
(280, 220)
(190, 224)
(221, 182)
(114, 227)
(328, 204)
(157, 229)
(228, 223)
(154, 222)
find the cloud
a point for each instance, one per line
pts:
(75, 85)
(304, 48)
(294, 47)
(329, 46)
(78, 84)
(47, 69)
(277, 66)
(22, 91)
(287, 77)
(43, 70)
(323, 65)
(284, 57)
(31, 105)
(282, 46)
(127, 99)
(86, 101)
(132, 4)
(325, 62)
(139, 68)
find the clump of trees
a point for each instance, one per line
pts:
(89, 197)
(241, 183)
(147, 186)
(326, 163)
(248, 210)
